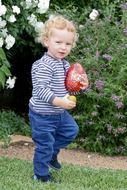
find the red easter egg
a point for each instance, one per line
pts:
(74, 77)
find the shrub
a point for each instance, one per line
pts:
(101, 112)
(19, 23)
(11, 123)
(4, 68)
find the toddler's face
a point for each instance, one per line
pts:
(59, 43)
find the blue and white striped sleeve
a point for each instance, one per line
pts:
(42, 76)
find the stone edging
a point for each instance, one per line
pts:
(18, 138)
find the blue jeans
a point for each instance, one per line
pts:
(50, 133)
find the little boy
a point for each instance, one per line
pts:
(52, 126)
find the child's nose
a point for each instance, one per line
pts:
(63, 46)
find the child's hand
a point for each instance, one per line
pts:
(68, 104)
(64, 102)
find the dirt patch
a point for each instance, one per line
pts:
(23, 148)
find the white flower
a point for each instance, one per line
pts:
(3, 10)
(10, 82)
(28, 4)
(94, 14)
(38, 26)
(12, 18)
(1, 42)
(35, 1)
(32, 20)
(2, 23)
(16, 9)
(10, 40)
(43, 6)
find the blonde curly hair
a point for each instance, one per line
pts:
(58, 22)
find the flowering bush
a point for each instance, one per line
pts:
(16, 20)
(102, 111)
(102, 48)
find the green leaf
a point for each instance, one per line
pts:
(6, 71)
(2, 54)
(6, 62)
(2, 79)
(3, 58)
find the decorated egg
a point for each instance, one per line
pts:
(76, 78)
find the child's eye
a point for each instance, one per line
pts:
(58, 42)
(68, 44)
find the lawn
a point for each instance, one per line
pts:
(16, 174)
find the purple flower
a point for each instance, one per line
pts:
(107, 57)
(120, 149)
(115, 98)
(125, 31)
(119, 130)
(109, 128)
(123, 6)
(99, 84)
(119, 105)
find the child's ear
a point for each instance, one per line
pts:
(45, 41)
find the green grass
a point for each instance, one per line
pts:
(16, 174)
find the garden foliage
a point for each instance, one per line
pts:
(101, 111)
(20, 22)
(11, 123)
(4, 68)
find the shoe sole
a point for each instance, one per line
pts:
(51, 166)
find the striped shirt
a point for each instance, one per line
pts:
(48, 76)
